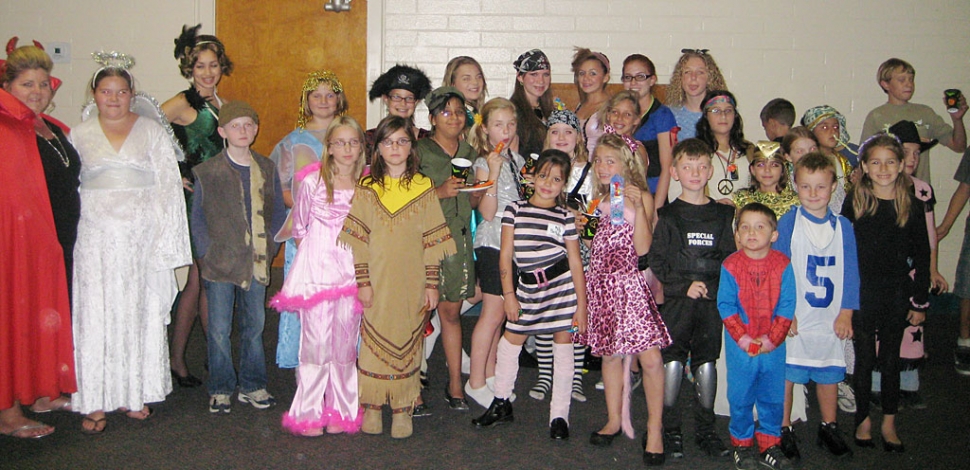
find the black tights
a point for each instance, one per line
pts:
(882, 315)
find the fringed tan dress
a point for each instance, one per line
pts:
(399, 237)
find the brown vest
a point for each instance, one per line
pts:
(232, 256)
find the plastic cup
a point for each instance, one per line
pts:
(461, 168)
(952, 100)
(589, 231)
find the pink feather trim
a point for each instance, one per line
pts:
(330, 416)
(284, 303)
(311, 168)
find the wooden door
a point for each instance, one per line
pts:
(274, 44)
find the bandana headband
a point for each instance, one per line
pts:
(630, 142)
(719, 99)
(563, 117)
(814, 116)
(530, 61)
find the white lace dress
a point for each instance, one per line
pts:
(131, 236)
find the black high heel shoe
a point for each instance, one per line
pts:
(893, 448)
(649, 458)
(603, 440)
(499, 412)
(865, 443)
(189, 381)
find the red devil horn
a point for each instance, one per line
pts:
(12, 44)
(38, 44)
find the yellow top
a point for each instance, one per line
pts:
(396, 196)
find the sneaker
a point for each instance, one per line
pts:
(674, 443)
(789, 444)
(961, 358)
(220, 404)
(600, 386)
(422, 410)
(260, 399)
(831, 439)
(774, 458)
(636, 379)
(912, 400)
(846, 398)
(744, 458)
(712, 445)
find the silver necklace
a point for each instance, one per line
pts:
(61, 153)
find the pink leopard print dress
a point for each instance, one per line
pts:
(623, 317)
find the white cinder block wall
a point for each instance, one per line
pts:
(811, 52)
(143, 29)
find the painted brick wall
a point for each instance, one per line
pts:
(141, 28)
(811, 52)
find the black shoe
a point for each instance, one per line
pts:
(865, 443)
(653, 460)
(673, 443)
(558, 429)
(499, 412)
(459, 404)
(712, 445)
(893, 448)
(603, 440)
(745, 458)
(912, 400)
(421, 410)
(189, 381)
(830, 437)
(789, 444)
(775, 459)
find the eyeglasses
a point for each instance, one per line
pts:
(399, 98)
(402, 142)
(353, 143)
(721, 111)
(640, 77)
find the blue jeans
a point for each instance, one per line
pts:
(222, 297)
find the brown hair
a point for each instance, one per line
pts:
(614, 101)
(450, 77)
(106, 72)
(795, 133)
(675, 91)
(691, 148)
(757, 208)
(582, 55)
(25, 58)
(864, 202)
(887, 68)
(205, 42)
(378, 167)
(814, 162)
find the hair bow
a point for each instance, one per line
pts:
(694, 51)
(630, 142)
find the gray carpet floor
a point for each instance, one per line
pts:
(184, 435)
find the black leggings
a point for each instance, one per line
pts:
(883, 314)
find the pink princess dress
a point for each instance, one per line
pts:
(322, 289)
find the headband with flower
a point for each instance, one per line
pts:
(313, 81)
(11, 46)
(630, 142)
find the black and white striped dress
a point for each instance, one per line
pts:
(540, 235)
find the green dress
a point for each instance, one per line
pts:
(458, 270)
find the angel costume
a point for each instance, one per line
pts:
(398, 236)
(321, 288)
(298, 149)
(131, 236)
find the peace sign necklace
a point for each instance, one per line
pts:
(726, 185)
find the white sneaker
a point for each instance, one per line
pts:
(846, 398)
(483, 396)
(600, 386)
(260, 399)
(220, 404)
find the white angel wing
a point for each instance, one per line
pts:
(145, 105)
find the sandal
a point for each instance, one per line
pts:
(23, 432)
(65, 405)
(94, 427)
